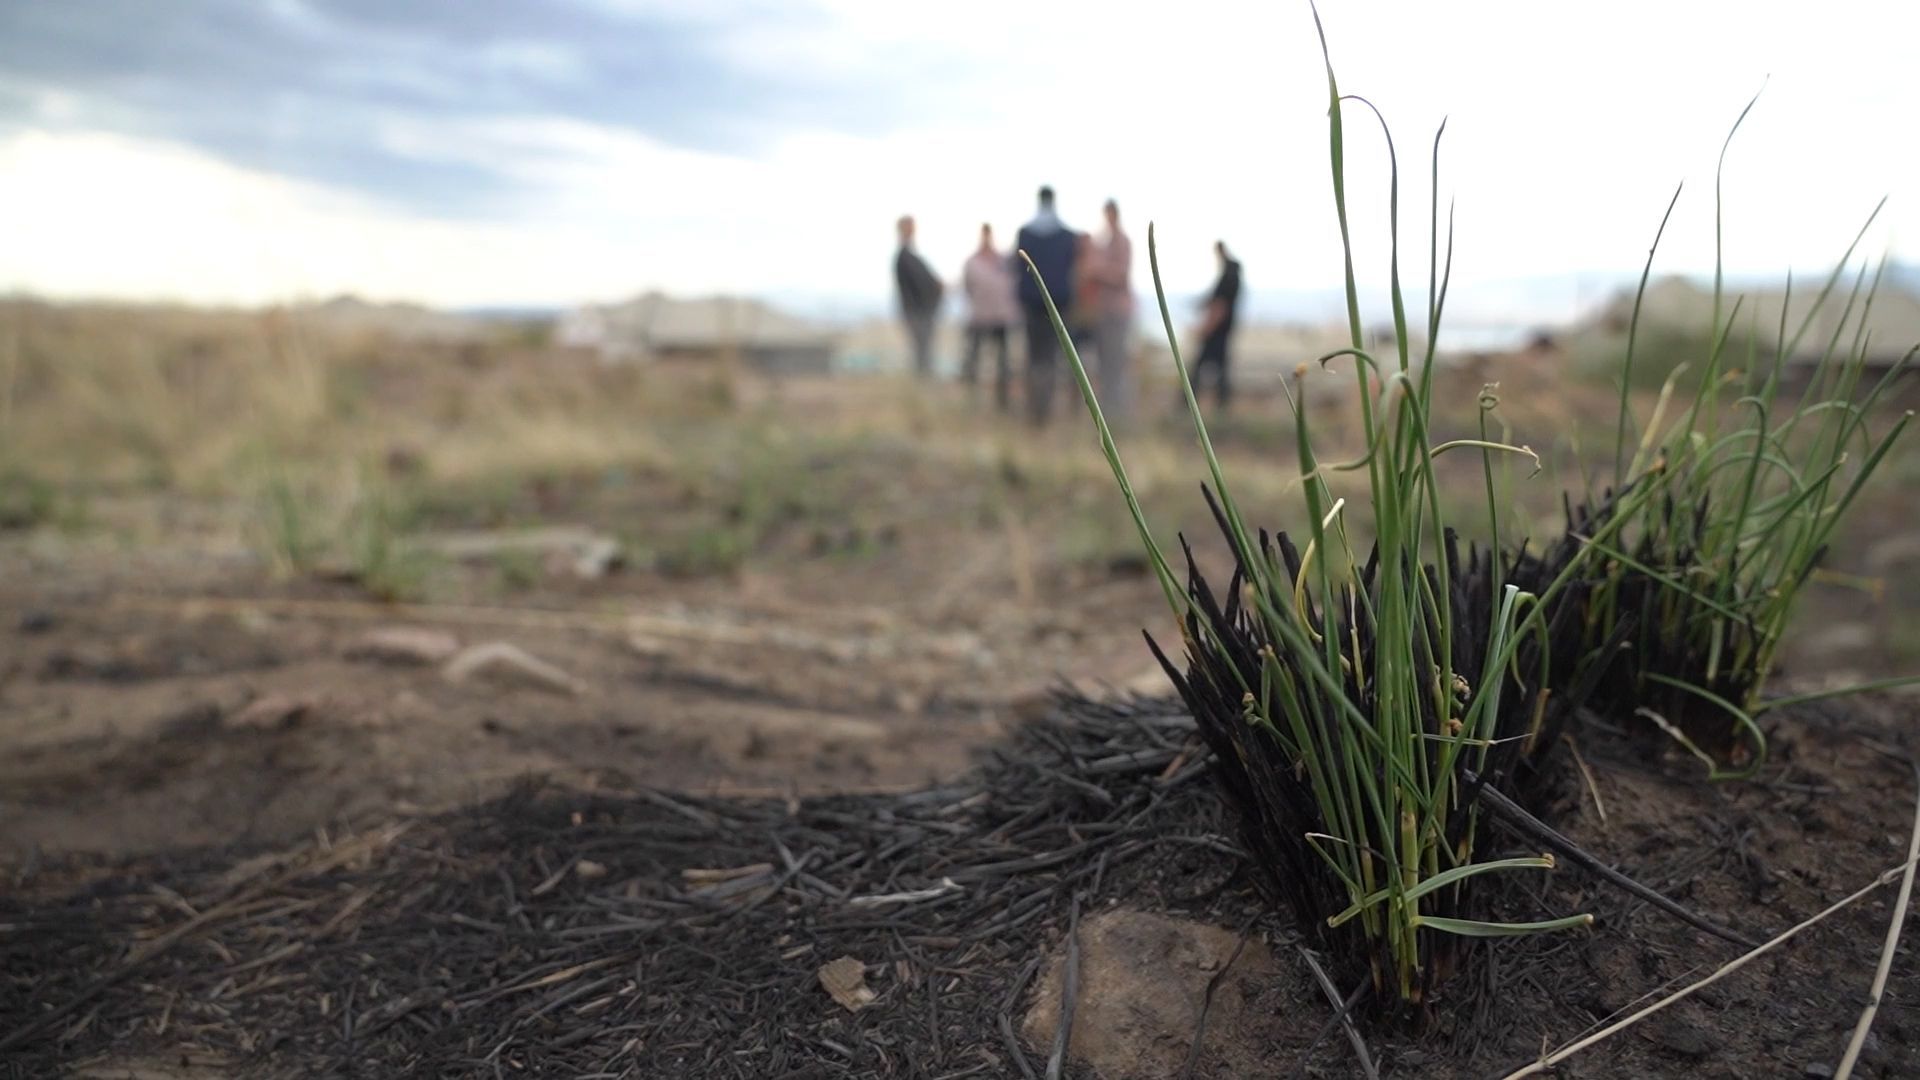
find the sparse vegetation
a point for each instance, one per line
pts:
(1356, 704)
(26, 500)
(380, 558)
(1723, 512)
(518, 569)
(287, 529)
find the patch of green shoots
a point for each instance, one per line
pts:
(1735, 497)
(287, 527)
(1340, 673)
(26, 500)
(379, 554)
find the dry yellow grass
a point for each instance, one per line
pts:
(320, 443)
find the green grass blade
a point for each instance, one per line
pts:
(1169, 585)
(1844, 691)
(1633, 336)
(1478, 929)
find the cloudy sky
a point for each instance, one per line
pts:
(497, 152)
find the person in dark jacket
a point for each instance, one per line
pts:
(920, 293)
(1216, 328)
(1053, 248)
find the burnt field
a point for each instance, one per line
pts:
(378, 707)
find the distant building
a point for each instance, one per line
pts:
(656, 326)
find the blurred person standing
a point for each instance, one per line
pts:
(992, 309)
(1216, 328)
(1113, 317)
(1086, 295)
(1052, 247)
(920, 293)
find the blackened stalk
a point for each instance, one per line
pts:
(1517, 818)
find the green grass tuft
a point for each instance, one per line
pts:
(1354, 704)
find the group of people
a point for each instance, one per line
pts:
(1090, 281)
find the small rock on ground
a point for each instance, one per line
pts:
(1142, 980)
(404, 645)
(506, 663)
(595, 559)
(273, 711)
(564, 549)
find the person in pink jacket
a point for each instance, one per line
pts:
(1112, 317)
(992, 311)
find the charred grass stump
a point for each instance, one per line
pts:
(1264, 778)
(1364, 710)
(1646, 647)
(1719, 516)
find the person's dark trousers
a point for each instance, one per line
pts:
(1043, 349)
(920, 335)
(977, 336)
(1213, 359)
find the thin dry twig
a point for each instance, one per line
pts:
(1548, 1061)
(1020, 559)
(1007, 1037)
(1899, 920)
(1346, 1019)
(1586, 774)
(1069, 994)
(1206, 999)
(1517, 817)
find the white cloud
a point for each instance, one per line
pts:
(98, 215)
(1569, 126)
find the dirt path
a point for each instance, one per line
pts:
(173, 709)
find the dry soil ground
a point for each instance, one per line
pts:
(212, 521)
(262, 584)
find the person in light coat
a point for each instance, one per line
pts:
(992, 310)
(1113, 314)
